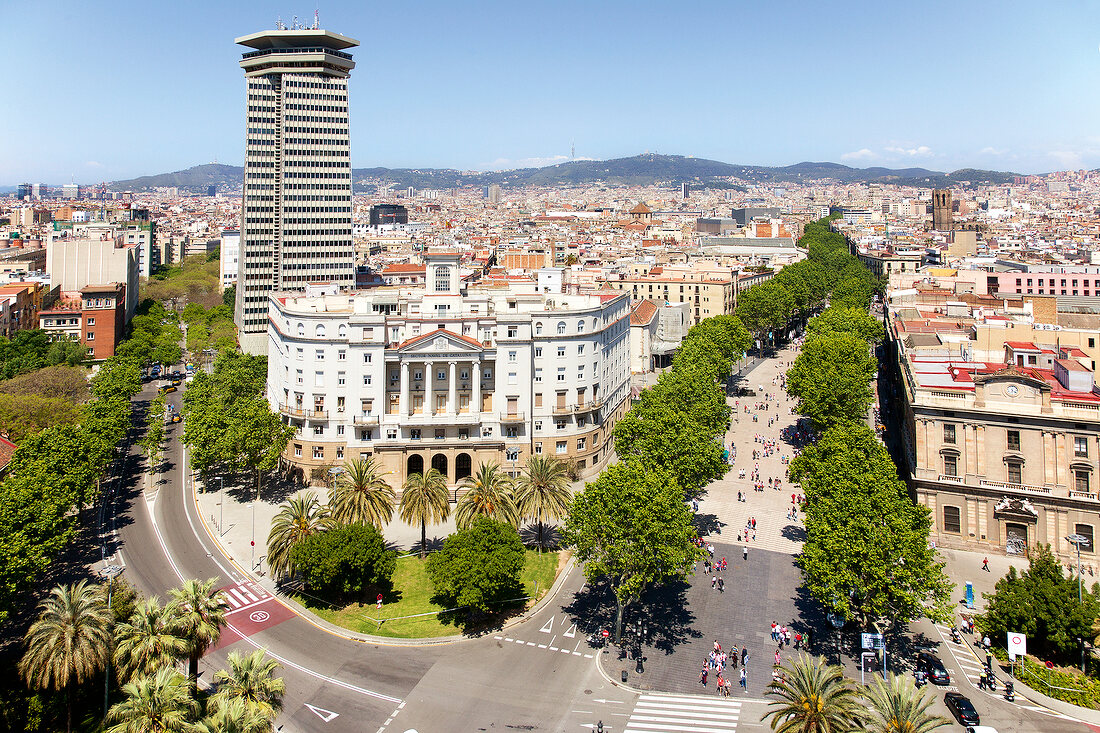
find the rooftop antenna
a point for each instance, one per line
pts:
(279, 24)
(296, 26)
(316, 19)
(573, 149)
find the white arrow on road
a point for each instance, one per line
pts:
(613, 702)
(325, 715)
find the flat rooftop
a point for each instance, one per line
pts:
(298, 38)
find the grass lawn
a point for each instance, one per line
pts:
(411, 595)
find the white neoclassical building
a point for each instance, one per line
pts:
(447, 376)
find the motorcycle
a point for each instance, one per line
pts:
(921, 678)
(955, 636)
(1010, 695)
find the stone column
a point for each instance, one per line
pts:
(405, 406)
(428, 377)
(475, 400)
(452, 391)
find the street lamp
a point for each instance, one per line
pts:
(252, 543)
(110, 572)
(1077, 540)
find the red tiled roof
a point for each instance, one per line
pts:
(643, 313)
(641, 209)
(7, 449)
(1021, 346)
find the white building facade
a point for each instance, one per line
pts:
(435, 376)
(229, 255)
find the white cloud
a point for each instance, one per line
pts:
(921, 151)
(861, 154)
(991, 151)
(504, 164)
(94, 164)
(1066, 159)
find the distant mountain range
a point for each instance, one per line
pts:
(639, 170)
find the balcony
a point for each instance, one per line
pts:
(1082, 495)
(1026, 488)
(303, 412)
(364, 419)
(951, 479)
(512, 417)
(588, 407)
(563, 409)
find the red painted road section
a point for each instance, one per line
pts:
(250, 619)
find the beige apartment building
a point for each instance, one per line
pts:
(1003, 452)
(708, 292)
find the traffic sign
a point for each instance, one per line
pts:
(606, 633)
(873, 641)
(1017, 644)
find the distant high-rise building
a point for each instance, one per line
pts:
(388, 214)
(942, 217)
(297, 159)
(40, 191)
(493, 194)
(211, 191)
(684, 191)
(25, 190)
(70, 191)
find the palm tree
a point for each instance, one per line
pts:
(543, 490)
(251, 680)
(147, 642)
(489, 493)
(899, 707)
(233, 716)
(424, 499)
(69, 642)
(299, 518)
(161, 703)
(813, 697)
(198, 613)
(361, 495)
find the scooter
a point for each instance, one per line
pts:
(1010, 695)
(955, 636)
(921, 678)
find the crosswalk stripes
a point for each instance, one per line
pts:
(683, 714)
(242, 595)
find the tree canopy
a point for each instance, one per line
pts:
(866, 556)
(631, 527)
(479, 566)
(347, 559)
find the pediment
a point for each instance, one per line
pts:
(440, 341)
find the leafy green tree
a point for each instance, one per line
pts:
(148, 641)
(1042, 603)
(424, 499)
(854, 321)
(898, 706)
(68, 383)
(656, 437)
(691, 392)
(632, 527)
(69, 643)
(24, 415)
(298, 519)
(488, 494)
(161, 703)
(866, 555)
(479, 565)
(197, 610)
(765, 309)
(813, 697)
(832, 379)
(116, 377)
(361, 494)
(229, 296)
(251, 679)
(349, 559)
(543, 491)
(63, 459)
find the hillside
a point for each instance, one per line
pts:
(638, 170)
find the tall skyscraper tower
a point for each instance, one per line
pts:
(942, 210)
(296, 208)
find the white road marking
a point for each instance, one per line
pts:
(687, 713)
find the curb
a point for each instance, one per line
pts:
(308, 616)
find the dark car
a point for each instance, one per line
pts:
(931, 665)
(961, 707)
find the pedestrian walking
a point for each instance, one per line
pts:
(745, 552)
(721, 585)
(713, 581)
(777, 656)
(985, 564)
(744, 655)
(743, 681)
(703, 676)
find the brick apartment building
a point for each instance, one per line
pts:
(96, 317)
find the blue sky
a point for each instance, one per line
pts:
(109, 90)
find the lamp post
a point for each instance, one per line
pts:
(110, 572)
(1077, 540)
(838, 623)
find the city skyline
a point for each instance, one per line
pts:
(134, 90)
